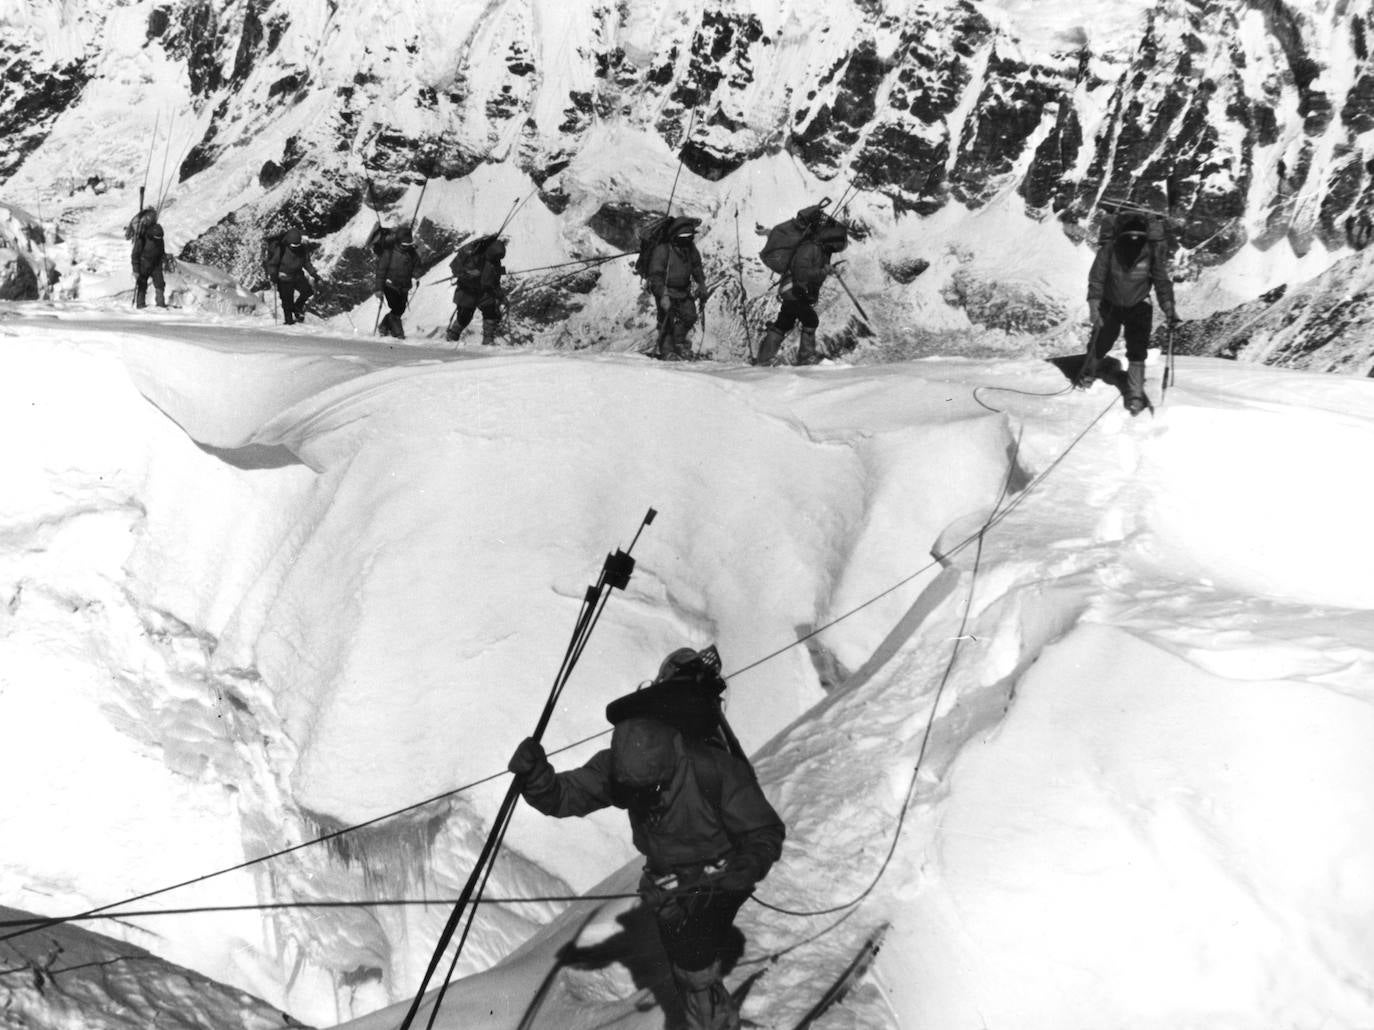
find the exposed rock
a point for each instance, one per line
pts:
(1342, 192)
(999, 302)
(1046, 182)
(906, 151)
(17, 278)
(837, 126)
(31, 99)
(619, 224)
(1358, 110)
(904, 269)
(1010, 107)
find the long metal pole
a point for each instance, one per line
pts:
(615, 574)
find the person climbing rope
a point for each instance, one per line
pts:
(698, 816)
(1128, 264)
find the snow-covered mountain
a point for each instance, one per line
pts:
(981, 137)
(259, 587)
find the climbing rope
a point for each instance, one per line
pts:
(999, 514)
(959, 638)
(266, 906)
(334, 835)
(1008, 389)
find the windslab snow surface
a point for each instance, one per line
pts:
(258, 584)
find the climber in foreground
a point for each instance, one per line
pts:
(696, 813)
(1131, 260)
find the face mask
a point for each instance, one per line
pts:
(645, 798)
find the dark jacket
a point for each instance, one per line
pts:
(396, 265)
(686, 828)
(809, 266)
(148, 253)
(674, 268)
(492, 270)
(289, 262)
(1113, 281)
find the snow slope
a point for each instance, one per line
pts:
(277, 583)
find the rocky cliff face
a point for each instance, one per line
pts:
(1245, 120)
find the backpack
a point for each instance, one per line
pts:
(466, 265)
(138, 225)
(1106, 229)
(689, 700)
(785, 237)
(271, 252)
(653, 234)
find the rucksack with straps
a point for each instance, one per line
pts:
(1106, 229)
(785, 237)
(271, 252)
(466, 265)
(650, 237)
(138, 225)
(689, 700)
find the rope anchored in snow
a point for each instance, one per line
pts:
(109, 910)
(959, 637)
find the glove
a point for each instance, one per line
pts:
(1095, 317)
(661, 896)
(1172, 316)
(528, 757)
(739, 876)
(665, 303)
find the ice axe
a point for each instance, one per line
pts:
(1168, 378)
(853, 300)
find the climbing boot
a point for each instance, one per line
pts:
(681, 348)
(768, 346)
(1136, 401)
(706, 1004)
(489, 332)
(806, 350)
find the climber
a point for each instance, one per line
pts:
(807, 264)
(477, 271)
(397, 263)
(286, 262)
(698, 816)
(1129, 262)
(147, 257)
(674, 269)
